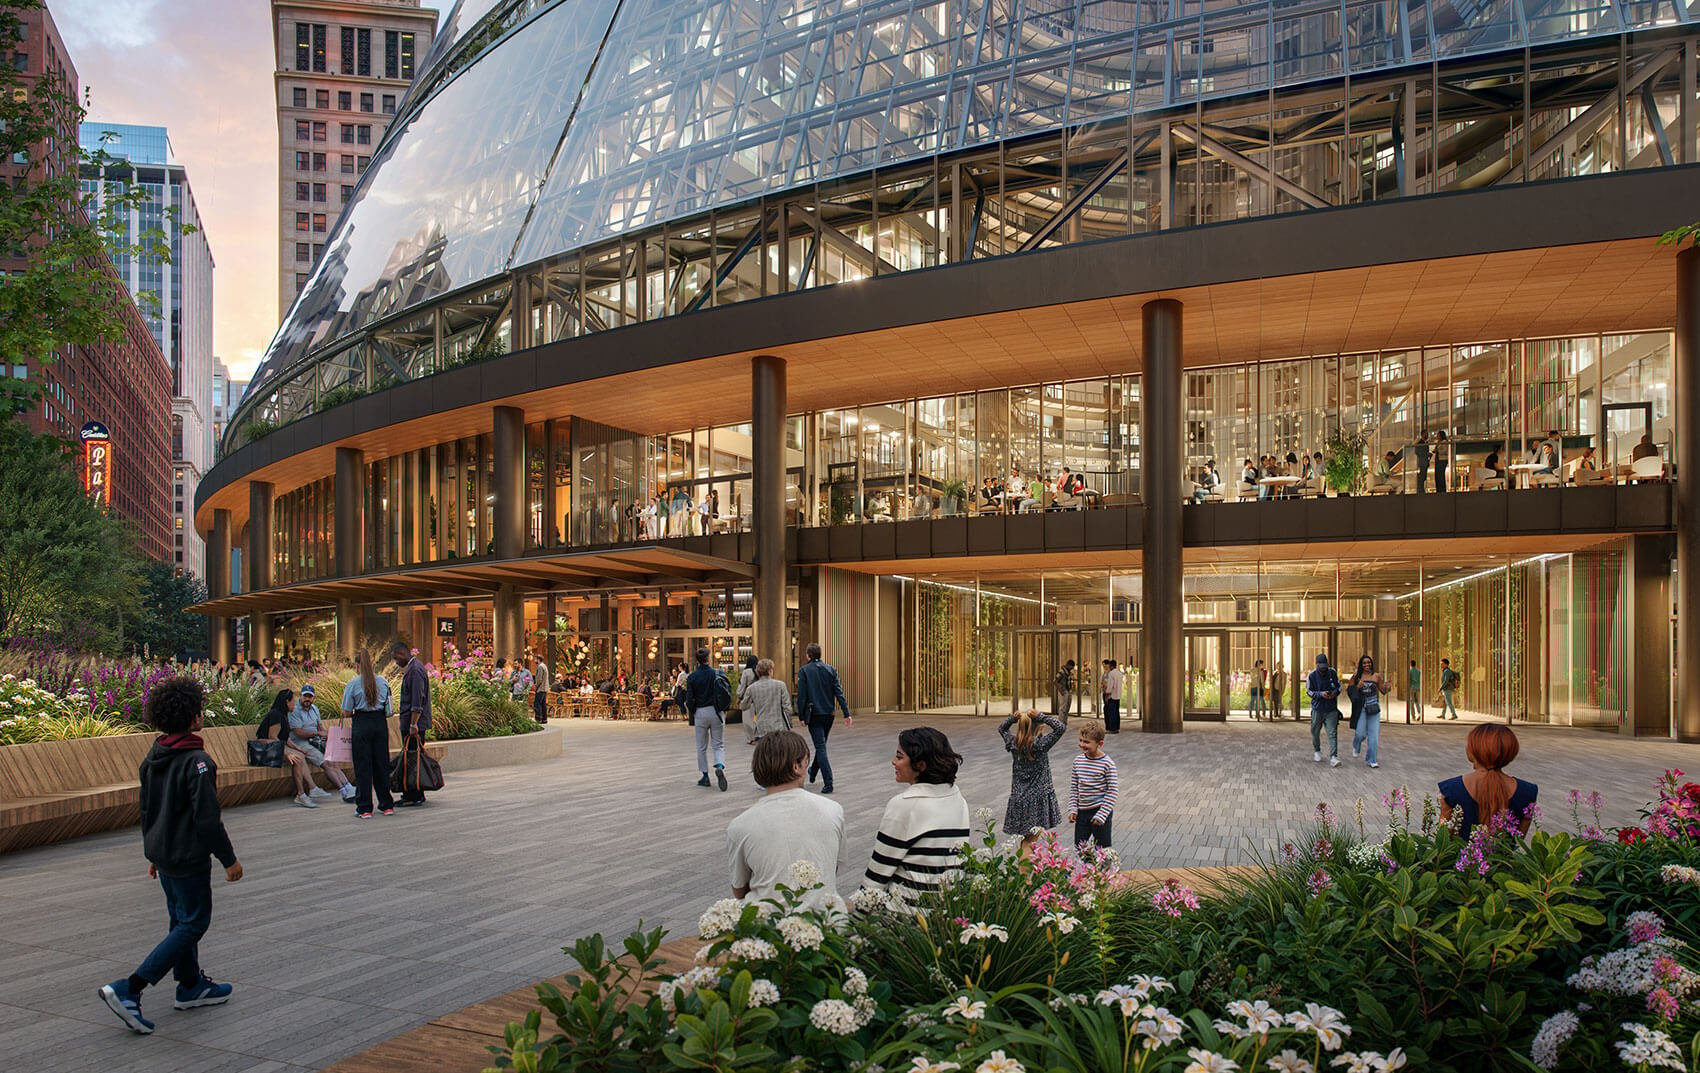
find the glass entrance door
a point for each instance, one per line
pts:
(1206, 689)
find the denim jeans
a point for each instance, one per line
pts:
(819, 728)
(1112, 715)
(1368, 737)
(1446, 704)
(711, 731)
(1256, 706)
(1413, 706)
(1329, 718)
(188, 906)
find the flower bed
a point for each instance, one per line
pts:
(1361, 947)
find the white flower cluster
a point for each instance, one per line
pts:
(804, 875)
(998, 1062)
(764, 993)
(1649, 1047)
(1366, 855)
(1061, 921)
(1630, 971)
(799, 934)
(984, 816)
(752, 950)
(967, 1009)
(1255, 1019)
(670, 991)
(1204, 1061)
(1288, 1061)
(1554, 1033)
(870, 900)
(835, 1016)
(855, 982)
(922, 1064)
(981, 931)
(1678, 875)
(720, 918)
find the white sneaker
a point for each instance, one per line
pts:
(1375, 765)
(305, 802)
(1334, 761)
(318, 792)
(1318, 756)
(348, 791)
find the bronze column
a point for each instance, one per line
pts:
(259, 565)
(767, 422)
(350, 538)
(508, 440)
(1161, 661)
(218, 584)
(1686, 457)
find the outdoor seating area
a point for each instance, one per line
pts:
(615, 706)
(51, 791)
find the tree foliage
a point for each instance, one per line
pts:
(159, 624)
(64, 560)
(67, 292)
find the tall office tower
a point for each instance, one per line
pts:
(343, 67)
(226, 393)
(121, 385)
(178, 302)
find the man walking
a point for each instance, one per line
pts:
(541, 684)
(1257, 707)
(414, 712)
(1065, 691)
(818, 693)
(1448, 684)
(1112, 690)
(1324, 687)
(1414, 693)
(707, 697)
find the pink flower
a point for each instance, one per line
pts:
(1319, 881)
(1663, 1004)
(1173, 899)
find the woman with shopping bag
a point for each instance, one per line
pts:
(366, 701)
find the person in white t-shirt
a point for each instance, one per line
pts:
(787, 825)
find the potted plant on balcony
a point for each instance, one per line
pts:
(952, 492)
(1344, 465)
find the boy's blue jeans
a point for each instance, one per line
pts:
(188, 903)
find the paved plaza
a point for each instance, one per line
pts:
(346, 933)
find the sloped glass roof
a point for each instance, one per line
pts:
(570, 122)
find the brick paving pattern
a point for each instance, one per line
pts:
(347, 933)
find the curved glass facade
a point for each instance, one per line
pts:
(575, 122)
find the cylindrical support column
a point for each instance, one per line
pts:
(1686, 457)
(223, 646)
(347, 628)
(1162, 661)
(767, 421)
(508, 443)
(350, 536)
(508, 626)
(259, 565)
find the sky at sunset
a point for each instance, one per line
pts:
(203, 70)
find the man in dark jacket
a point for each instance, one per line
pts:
(707, 696)
(818, 692)
(1323, 685)
(414, 710)
(181, 830)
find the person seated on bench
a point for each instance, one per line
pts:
(283, 706)
(305, 734)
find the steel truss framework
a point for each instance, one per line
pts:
(1529, 115)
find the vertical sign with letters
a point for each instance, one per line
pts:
(97, 462)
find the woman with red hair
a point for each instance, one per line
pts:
(1487, 790)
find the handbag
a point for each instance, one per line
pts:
(265, 752)
(417, 769)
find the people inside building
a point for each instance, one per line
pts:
(1442, 459)
(1420, 455)
(1646, 448)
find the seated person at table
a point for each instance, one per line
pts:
(1384, 468)
(1248, 478)
(1492, 462)
(1551, 454)
(1645, 449)
(989, 495)
(1205, 484)
(1587, 461)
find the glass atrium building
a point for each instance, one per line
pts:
(970, 337)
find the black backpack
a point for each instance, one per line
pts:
(722, 692)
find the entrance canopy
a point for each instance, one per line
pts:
(620, 568)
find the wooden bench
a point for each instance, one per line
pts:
(54, 790)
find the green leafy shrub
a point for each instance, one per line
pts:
(470, 706)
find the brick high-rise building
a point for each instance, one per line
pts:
(123, 383)
(342, 69)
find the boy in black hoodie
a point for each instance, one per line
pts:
(180, 831)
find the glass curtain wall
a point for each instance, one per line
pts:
(304, 533)
(1536, 639)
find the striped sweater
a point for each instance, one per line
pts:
(919, 842)
(1093, 785)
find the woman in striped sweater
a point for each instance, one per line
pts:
(921, 835)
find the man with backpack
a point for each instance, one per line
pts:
(1323, 685)
(1448, 685)
(708, 695)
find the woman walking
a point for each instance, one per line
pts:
(1032, 797)
(1365, 689)
(366, 701)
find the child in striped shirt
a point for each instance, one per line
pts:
(1092, 789)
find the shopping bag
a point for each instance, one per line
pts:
(415, 769)
(339, 745)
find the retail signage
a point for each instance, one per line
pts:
(445, 627)
(97, 462)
